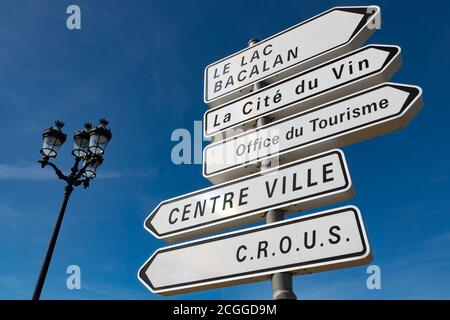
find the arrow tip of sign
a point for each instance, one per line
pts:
(150, 228)
(413, 90)
(386, 47)
(142, 277)
(359, 9)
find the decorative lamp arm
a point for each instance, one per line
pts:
(44, 162)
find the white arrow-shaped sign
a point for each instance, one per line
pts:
(364, 115)
(355, 71)
(319, 180)
(318, 242)
(321, 38)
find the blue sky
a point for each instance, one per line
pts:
(140, 64)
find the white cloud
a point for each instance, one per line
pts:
(34, 172)
(24, 172)
(138, 173)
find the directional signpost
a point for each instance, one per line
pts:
(358, 70)
(312, 243)
(364, 115)
(306, 92)
(319, 180)
(323, 37)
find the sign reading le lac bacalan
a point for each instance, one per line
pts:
(309, 43)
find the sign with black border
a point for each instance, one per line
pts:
(205, 263)
(351, 27)
(284, 187)
(358, 70)
(395, 105)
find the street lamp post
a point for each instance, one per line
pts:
(89, 147)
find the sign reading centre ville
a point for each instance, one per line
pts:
(312, 243)
(323, 37)
(364, 115)
(355, 71)
(319, 180)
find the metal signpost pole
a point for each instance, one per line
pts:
(331, 95)
(281, 282)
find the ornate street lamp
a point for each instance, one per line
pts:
(89, 148)
(53, 139)
(99, 137)
(81, 141)
(92, 166)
